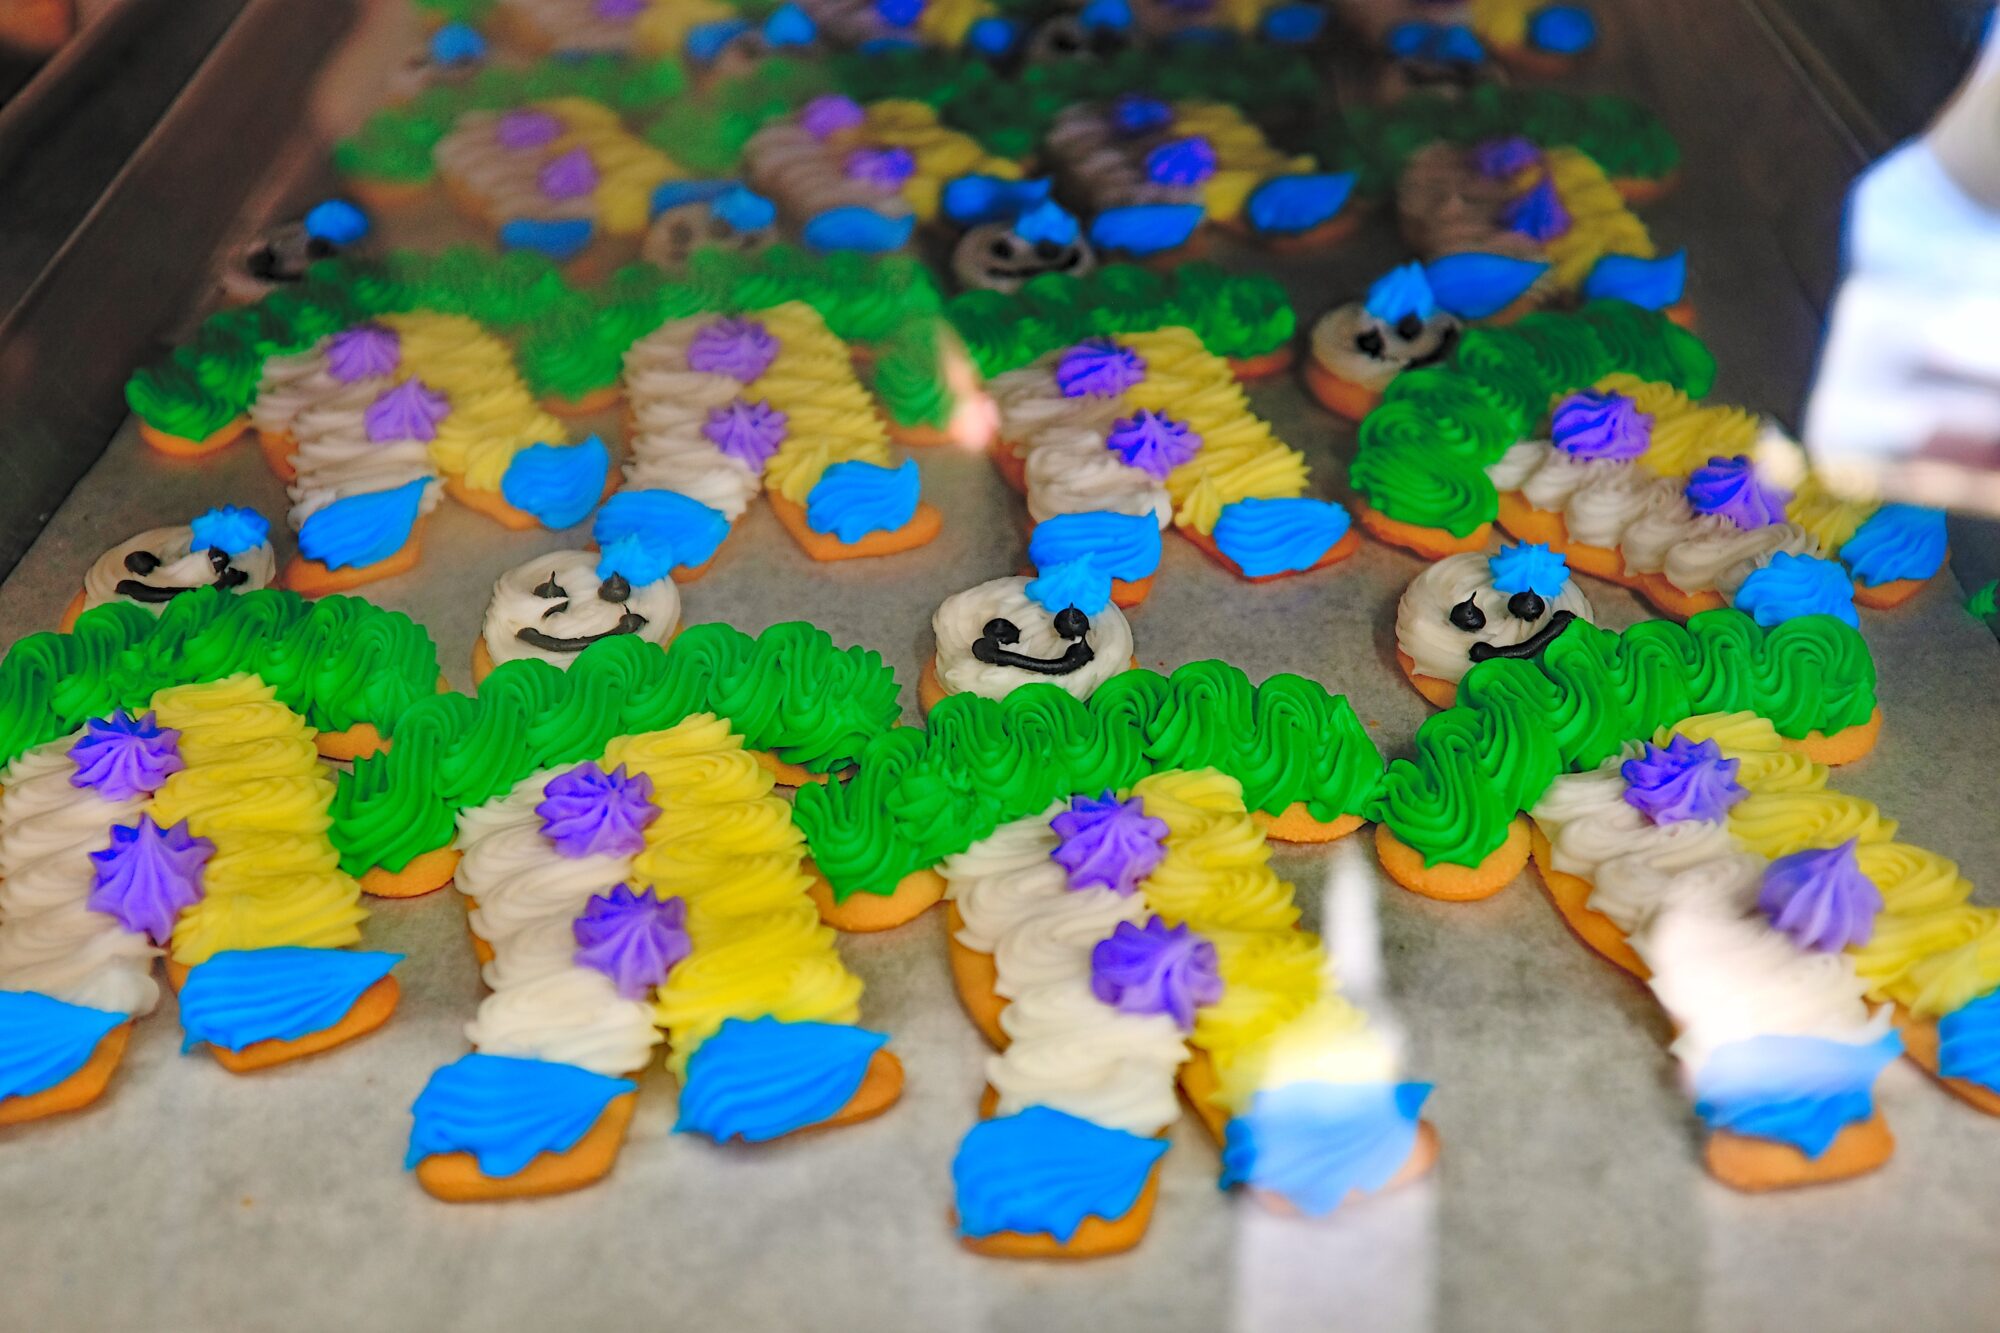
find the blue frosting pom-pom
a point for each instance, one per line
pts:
(1456, 44)
(558, 238)
(336, 222)
(507, 1111)
(558, 483)
(1289, 205)
(1529, 567)
(1797, 1090)
(1145, 229)
(1282, 536)
(1969, 1042)
(1313, 1144)
(44, 1040)
(1125, 546)
(673, 194)
(1294, 25)
(971, 200)
(1797, 585)
(857, 228)
(457, 44)
(1047, 221)
(1896, 542)
(1044, 1171)
(1401, 292)
(1562, 30)
(243, 996)
(899, 13)
(229, 529)
(1078, 583)
(1110, 15)
(744, 210)
(993, 37)
(762, 1079)
(706, 41)
(1652, 283)
(1473, 286)
(635, 560)
(682, 532)
(852, 499)
(790, 26)
(362, 529)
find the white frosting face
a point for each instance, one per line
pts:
(1076, 664)
(992, 257)
(1364, 350)
(150, 568)
(1452, 608)
(555, 606)
(678, 232)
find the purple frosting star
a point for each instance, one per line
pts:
(364, 351)
(1730, 488)
(1155, 969)
(1501, 159)
(748, 432)
(1187, 161)
(884, 169)
(1153, 442)
(826, 116)
(742, 349)
(589, 812)
(1098, 368)
(122, 756)
(1821, 899)
(619, 11)
(1108, 844)
(568, 175)
(633, 938)
(407, 411)
(1134, 114)
(148, 876)
(1601, 427)
(1539, 214)
(528, 127)
(1686, 780)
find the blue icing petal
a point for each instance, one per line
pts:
(336, 221)
(1313, 1144)
(685, 531)
(1115, 15)
(241, 996)
(1145, 229)
(1797, 1090)
(1969, 1042)
(857, 228)
(362, 529)
(1562, 30)
(1473, 286)
(1897, 542)
(634, 560)
(789, 26)
(993, 36)
(230, 530)
(1400, 292)
(1266, 537)
(761, 1079)
(1044, 1172)
(1797, 585)
(558, 238)
(673, 194)
(43, 1040)
(1125, 546)
(457, 44)
(744, 210)
(558, 483)
(507, 1111)
(1078, 583)
(706, 41)
(852, 499)
(1529, 567)
(1047, 221)
(971, 200)
(1294, 25)
(1288, 205)
(1652, 283)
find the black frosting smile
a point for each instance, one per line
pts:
(1528, 647)
(629, 623)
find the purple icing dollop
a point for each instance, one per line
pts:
(1600, 427)
(1539, 214)
(1098, 368)
(1730, 488)
(748, 432)
(883, 169)
(362, 352)
(619, 11)
(121, 756)
(826, 116)
(1153, 442)
(568, 175)
(633, 938)
(148, 876)
(527, 128)
(1155, 969)
(1685, 780)
(589, 812)
(407, 411)
(1501, 159)
(1188, 161)
(1133, 114)
(742, 349)
(1107, 843)
(1820, 898)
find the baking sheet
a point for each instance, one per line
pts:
(1569, 1191)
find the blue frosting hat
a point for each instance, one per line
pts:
(789, 26)
(230, 530)
(682, 529)
(743, 209)
(457, 44)
(1401, 291)
(1115, 15)
(993, 36)
(1562, 30)
(336, 221)
(634, 560)
(1125, 546)
(1529, 567)
(1078, 583)
(1047, 221)
(1295, 24)
(706, 41)
(971, 200)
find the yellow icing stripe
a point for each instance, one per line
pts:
(663, 29)
(255, 788)
(629, 169)
(945, 22)
(830, 416)
(1504, 23)
(1600, 223)
(941, 154)
(493, 416)
(1830, 519)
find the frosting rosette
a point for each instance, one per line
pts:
(1152, 442)
(1600, 427)
(634, 938)
(742, 349)
(1107, 843)
(121, 757)
(1821, 898)
(590, 812)
(1682, 780)
(1098, 368)
(1730, 488)
(1155, 969)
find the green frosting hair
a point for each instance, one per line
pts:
(922, 795)
(1421, 455)
(1520, 723)
(789, 691)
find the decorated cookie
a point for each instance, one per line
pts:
(695, 215)
(1471, 607)
(605, 27)
(280, 256)
(1060, 627)
(450, 54)
(227, 548)
(555, 606)
(1002, 254)
(1359, 347)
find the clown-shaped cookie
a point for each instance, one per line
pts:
(1059, 628)
(227, 548)
(1003, 253)
(556, 605)
(280, 256)
(1470, 608)
(698, 215)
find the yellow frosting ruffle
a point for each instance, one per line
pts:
(1504, 23)
(830, 416)
(493, 415)
(662, 30)
(941, 153)
(1244, 158)
(1685, 434)
(945, 22)
(1600, 223)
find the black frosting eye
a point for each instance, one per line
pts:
(1408, 327)
(555, 610)
(1526, 605)
(1002, 247)
(1002, 631)
(1072, 623)
(550, 588)
(1467, 616)
(1369, 342)
(142, 562)
(218, 559)
(615, 589)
